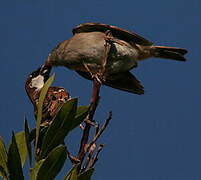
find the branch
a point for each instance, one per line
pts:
(99, 133)
(91, 147)
(93, 105)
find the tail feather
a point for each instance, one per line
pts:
(169, 52)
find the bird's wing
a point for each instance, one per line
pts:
(122, 34)
(123, 81)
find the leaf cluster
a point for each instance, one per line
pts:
(44, 146)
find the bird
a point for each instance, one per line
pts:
(109, 53)
(55, 97)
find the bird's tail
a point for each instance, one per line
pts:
(169, 52)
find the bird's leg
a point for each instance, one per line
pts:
(109, 39)
(96, 75)
(100, 74)
(107, 46)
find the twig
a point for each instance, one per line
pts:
(95, 158)
(99, 133)
(91, 150)
(90, 160)
(94, 103)
(73, 159)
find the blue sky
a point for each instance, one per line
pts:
(156, 136)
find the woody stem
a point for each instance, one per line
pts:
(93, 105)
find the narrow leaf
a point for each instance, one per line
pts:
(3, 173)
(81, 110)
(40, 107)
(52, 164)
(34, 171)
(73, 173)
(22, 147)
(86, 175)
(59, 128)
(27, 138)
(68, 112)
(14, 161)
(81, 114)
(3, 156)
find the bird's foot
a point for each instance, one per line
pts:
(111, 39)
(107, 46)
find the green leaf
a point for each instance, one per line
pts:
(40, 107)
(3, 173)
(52, 164)
(59, 128)
(82, 112)
(27, 138)
(22, 147)
(67, 112)
(14, 161)
(34, 171)
(73, 173)
(32, 134)
(3, 158)
(86, 175)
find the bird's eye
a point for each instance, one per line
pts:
(54, 98)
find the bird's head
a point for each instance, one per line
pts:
(36, 81)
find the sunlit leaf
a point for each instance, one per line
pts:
(14, 161)
(40, 107)
(3, 173)
(73, 173)
(52, 164)
(86, 175)
(22, 147)
(34, 171)
(3, 158)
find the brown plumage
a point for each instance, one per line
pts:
(55, 97)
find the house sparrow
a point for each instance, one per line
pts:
(55, 97)
(109, 53)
